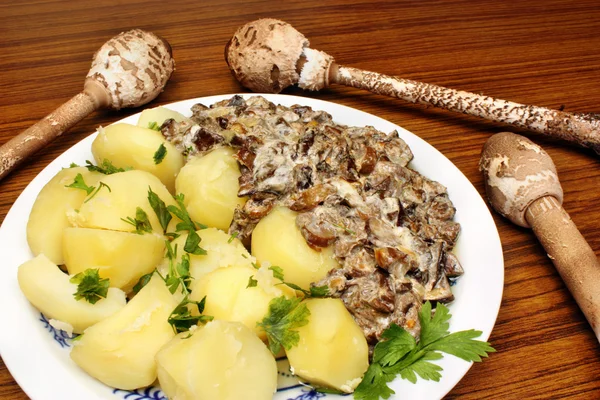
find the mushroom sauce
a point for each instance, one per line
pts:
(391, 228)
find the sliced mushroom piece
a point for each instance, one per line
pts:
(312, 197)
(451, 265)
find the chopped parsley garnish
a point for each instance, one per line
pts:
(79, 183)
(251, 282)
(90, 286)
(280, 324)
(154, 126)
(160, 154)
(232, 237)
(398, 353)
(141, 223)
(106, 168)
(193, 240)
(314, 291)
(143, 281)
(160, 209)
(181, 318)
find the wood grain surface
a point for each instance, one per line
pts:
(542, 52)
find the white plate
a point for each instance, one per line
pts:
(38, 357)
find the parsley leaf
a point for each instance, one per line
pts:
(160, 209)
(143, 281)
(251, 282)
(314, 291)
(160, 154)
(398, 353)
(193, 240)
(106, 168)
(79, 183)
(284, 316)
(154, 126)
(182, 319)
(141, 223)
(277, 272)
(90, 286)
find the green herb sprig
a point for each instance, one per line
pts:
(141, 223)
(79, 183)
(181, 318)
(398, 353)
(159, 154)
(280, 324)
(90, 286)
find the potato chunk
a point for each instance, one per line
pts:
(49, 290)
(277, 240)
(48, 216)
(119, 351)
(332, 351)
(158, 115)
(228, 297)
(128, 145)
(221, 251)
(122, 257)
(210, 185)
(220, 361)
(128, 190)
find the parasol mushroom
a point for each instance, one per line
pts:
(129, 70)
(268, 55)
(522, 184)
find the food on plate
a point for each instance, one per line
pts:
(122, 257)
(51, 292)
(219, 361)
(119, 350)
(391, 228)
(210, 185)
(332, 350)
(346, 245)
(49, 215)
(123, 194)
(130, 146)
(231, 295)
(278, 241)
(222, 250)
(154, 117)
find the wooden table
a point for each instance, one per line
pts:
(542, 52)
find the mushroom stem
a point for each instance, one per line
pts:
(572, 256)
(582, 129)
(34, 138)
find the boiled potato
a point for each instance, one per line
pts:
(122, 257)
(119, 351)
(158, 115)
(228, 297)
(128, 190)
(131, 146)
(210, 185)
(221, 251)
(48, 216)
(278, 241)
(220, 361)
(332, 351)
(49, 290)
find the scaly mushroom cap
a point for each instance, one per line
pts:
(263, 55)
(133, 67)
(517, 172)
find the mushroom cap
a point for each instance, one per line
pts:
(133, 67)
(263, 55)
(517, 172)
